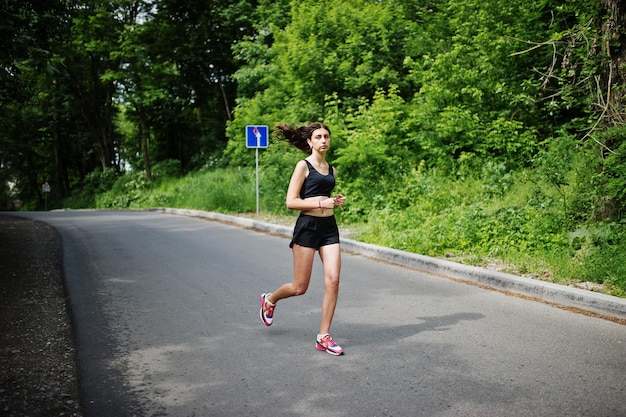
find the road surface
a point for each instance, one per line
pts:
(167, 323)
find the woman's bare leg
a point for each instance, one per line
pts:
(331, 259)
(302, 266)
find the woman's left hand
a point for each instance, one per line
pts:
(339, 200)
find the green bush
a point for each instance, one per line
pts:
(127, 189)
(597, 254)
(94, 184)
(614, 169)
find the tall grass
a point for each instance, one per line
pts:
(229, 190)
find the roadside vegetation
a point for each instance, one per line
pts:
(511, 223)
(490, 133)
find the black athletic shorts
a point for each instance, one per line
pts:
(314, 232)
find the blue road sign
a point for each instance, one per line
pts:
(257, 136)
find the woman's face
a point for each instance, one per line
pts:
(320, 140)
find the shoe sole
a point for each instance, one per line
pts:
(330, 352)
(261, 302)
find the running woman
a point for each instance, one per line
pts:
(310, 190)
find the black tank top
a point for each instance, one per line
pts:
(316, 184)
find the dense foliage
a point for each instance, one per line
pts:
(462, 128)
(96, 85)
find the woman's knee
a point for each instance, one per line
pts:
(331, 280)
(299, 289)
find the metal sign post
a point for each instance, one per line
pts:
(257, 137)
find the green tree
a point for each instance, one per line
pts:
(327, 48)
(30, 133)
(96, 28)
(472, 102)
(195, 39)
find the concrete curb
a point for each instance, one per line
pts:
(600, 304)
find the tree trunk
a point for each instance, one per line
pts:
(60, 166)
(614, 31)
(145, 135)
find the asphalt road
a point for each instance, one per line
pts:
(166, 317)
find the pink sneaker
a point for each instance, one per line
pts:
(267, 310)
(326, 343)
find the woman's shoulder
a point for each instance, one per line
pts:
(301, 167)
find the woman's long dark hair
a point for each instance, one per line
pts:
(297, 136)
